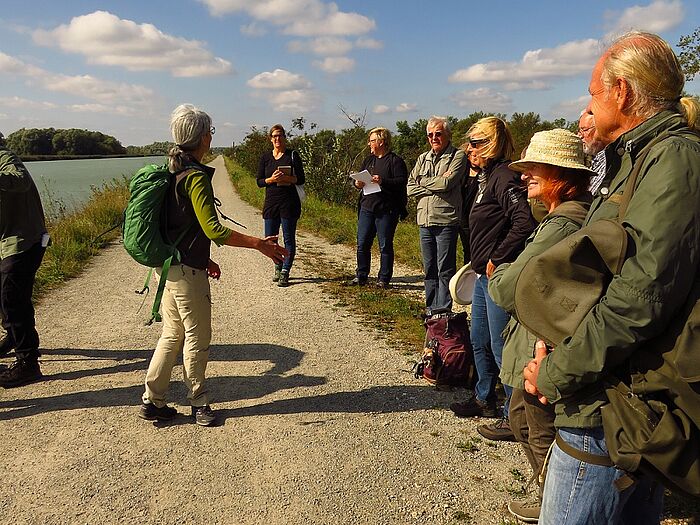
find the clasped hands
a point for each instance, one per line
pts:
(532, 370)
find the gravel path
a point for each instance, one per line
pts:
(322, 422)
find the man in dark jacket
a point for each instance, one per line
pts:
(23, 240)
(635, 91)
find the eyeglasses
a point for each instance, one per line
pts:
(581, 131)
(475, 143)
(278, 136)
(436, 134)
(372, 141)
(597, 92)
(212, 130)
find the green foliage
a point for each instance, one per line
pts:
(50, 141)
(155, 148)
(690, 54)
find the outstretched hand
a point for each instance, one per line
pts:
(269, 247)
(532, 370)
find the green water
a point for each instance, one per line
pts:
(71, 181)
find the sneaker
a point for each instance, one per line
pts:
(21, 372)
(473, 407)
(276, 277)
(284, 279)
(357, 282)
(498, 431)
(524, 511)
(7, 345)
(150, 412)
(204, 416)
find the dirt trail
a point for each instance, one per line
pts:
(322, 422)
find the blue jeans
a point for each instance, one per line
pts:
(289, 231)
(576, 492)
(383, 226)
(488, 322)
(438, 246)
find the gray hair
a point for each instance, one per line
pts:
(435, 120)
(188, 125)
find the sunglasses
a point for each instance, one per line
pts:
(436, 134)
(212, 130)
(277, 136)
(475, 143)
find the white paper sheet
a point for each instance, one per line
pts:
(369, 187)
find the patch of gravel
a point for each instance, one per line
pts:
(322, 420)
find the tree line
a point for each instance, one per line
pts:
(62, 142)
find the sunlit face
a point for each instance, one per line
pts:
(278, 139)
(376, 145)
(475, 149)
(536, 177)
(604, 108)
(437, 138)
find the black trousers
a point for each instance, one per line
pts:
(17, 274)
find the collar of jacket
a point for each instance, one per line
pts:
(201, 167)
(635, 139)
(432, 156)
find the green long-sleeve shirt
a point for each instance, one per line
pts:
(198, 188)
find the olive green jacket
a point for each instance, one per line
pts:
(22, 221)
(439, 197)
(519, 343)
(663, 224)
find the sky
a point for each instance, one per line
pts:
(121, 66)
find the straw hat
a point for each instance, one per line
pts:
(557, 147)
(462, 285)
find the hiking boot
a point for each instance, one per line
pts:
(382, 284)
(150, 412)
(276, 277)
(498, 431)
(473, 407)
(204, 416)
(524, 511)
(21, 372)
(284, 279)
(7, 345)
(357, 281)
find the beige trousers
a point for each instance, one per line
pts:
(186, 311)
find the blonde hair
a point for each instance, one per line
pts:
(383, 135)
(500, 145)
(651, 69)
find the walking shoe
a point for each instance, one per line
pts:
(382, 284)
(21, 372)
(7, 344)
(524, 511)
(276, 277)
(204, 416)
(150, 412)
(284, 279)
(357, 282)
(473, 407)
(498, 431)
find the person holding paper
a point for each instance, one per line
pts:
(379, 212)
(279, 171)
(436, 183)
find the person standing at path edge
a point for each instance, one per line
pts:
(23, 241)
(186, 305)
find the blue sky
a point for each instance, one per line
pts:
(121, 66)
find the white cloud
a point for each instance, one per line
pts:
(253, 30)
(380, 109)
(335, 65)
(105, 39)
(536, 85)
(19, 102)
(571, 109)
(321, 46)
(139, 98)
(483, 99)
(568, 59)
(405, 107)
(278, 79)
(296, 101)
(657, 17)
(101, 108)
(297, 17)
(369, 43)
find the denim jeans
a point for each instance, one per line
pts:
(383, 226)
(488, 322)
(576, 492)
(289, 231)
(438, 246)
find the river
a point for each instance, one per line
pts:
(70, 181)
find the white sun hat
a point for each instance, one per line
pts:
(557, 147)
(462, 285)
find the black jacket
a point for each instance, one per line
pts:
(394, 175)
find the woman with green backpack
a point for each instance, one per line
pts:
(186, 306)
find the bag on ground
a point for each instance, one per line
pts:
(447, 357)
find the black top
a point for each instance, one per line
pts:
(500, 220)
(394, 175)
(280, 201)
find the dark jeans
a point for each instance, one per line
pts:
(17, 273)
(488, 322)
(438, 246)
(383, 226)
(289, 232)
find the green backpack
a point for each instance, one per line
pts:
(144, 219)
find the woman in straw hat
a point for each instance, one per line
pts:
(554, 173)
